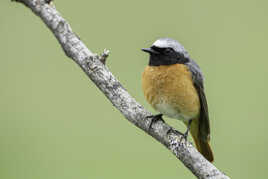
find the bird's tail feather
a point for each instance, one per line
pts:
(202, 145)
(204, 148)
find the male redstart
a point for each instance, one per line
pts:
(173, 84)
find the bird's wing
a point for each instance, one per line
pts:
(197, 76)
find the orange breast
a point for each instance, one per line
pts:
(170, 90)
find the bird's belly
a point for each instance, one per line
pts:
(170, 90)
(171, 111)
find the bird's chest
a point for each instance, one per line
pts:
(170, 90)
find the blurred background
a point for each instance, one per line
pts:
(54, 123)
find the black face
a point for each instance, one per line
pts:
(164, 56)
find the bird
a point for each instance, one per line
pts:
(173, 85)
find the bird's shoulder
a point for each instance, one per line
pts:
(196, 72)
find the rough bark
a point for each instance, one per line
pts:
(94, 66)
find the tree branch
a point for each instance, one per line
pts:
(93, 66)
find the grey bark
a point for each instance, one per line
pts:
(93, 66)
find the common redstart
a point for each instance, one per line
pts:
(173, 84)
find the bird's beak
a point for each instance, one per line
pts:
(150, 50)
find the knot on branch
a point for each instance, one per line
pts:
(104, 56)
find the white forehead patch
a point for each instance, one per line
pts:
(170, 43)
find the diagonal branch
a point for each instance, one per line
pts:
(93, 66)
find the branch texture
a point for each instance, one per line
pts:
(94, 66)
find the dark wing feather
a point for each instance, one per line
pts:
(204, 127)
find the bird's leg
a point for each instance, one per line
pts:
(185, 135)
(155, 118)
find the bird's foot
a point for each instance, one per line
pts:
(155, 118)
(178, 133)
(185, 135)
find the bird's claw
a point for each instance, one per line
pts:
(155, 118)
(178, 133)
(184, 136)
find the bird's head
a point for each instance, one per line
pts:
(166, 51)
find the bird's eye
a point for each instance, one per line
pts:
(168, 50)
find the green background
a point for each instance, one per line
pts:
(54, 123)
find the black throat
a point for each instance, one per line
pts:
(159, 59)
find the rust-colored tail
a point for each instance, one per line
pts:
(202, 145)
(204, 148)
